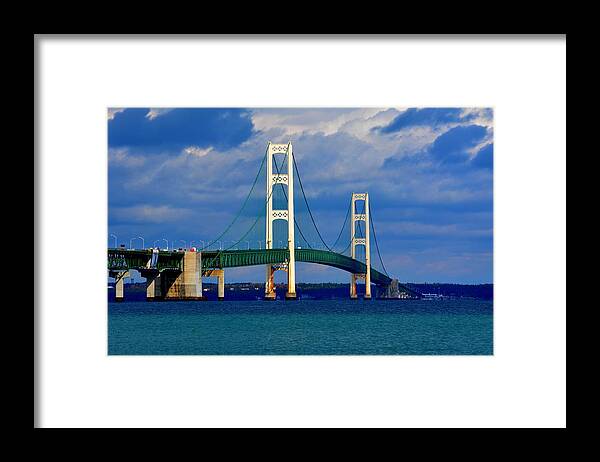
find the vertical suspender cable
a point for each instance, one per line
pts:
(376, 244)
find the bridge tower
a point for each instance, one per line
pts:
(273, 179)
(354, 241)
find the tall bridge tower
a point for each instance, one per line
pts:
(354, 241)
(285, 178)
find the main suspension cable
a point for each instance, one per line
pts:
(376, 244)
(343, 225)
(308, 206)
(241, 209)
(219, 252)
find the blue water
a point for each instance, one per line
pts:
(302, 327)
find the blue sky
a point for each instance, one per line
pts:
(183, 174)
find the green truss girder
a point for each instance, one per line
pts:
(236, 258)
(125, 259)
(122, 259)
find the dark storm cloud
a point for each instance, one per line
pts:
(178, 128)
(452, 147)
(427, 116)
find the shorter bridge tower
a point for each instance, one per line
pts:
(354, 241)
(286, 178)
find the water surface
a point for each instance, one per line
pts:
(302, 327)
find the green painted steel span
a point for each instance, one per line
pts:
(123, 259)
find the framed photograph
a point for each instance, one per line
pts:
(300, 231)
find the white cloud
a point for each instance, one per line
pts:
(149, 213)
(327, 121)
(365, 120)
(480, 116)
(197, 151)
(122, 157)
(153, 113)
(112, 111)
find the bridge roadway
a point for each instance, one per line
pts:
(128, 259)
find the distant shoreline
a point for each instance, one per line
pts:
(441, 290)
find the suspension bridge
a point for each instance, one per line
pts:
(177, 274)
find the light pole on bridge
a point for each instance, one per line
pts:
(116, 243)
(133, 239)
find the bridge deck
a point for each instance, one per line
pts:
(122, 259)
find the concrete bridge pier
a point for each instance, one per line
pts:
(186, 285)
(270, 293)
(390, 291)
(220, 275)
(270, 285)
(291, 288)
(119, 283)
(153, 284)
(154, 289)
(353, 292)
